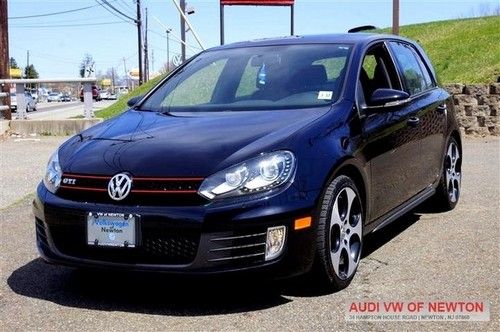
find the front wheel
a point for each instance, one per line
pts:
(340, 233)
(449, 188)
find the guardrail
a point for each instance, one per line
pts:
(21, 102)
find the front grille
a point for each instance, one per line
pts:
(159, 243)
(146, 191)
(238, 248)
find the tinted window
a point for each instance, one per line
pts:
(255, 78)
(416, 78)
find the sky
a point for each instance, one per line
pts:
(58, 43)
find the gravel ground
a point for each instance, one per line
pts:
(422, 256)
(22, 165)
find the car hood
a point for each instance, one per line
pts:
(182, 144)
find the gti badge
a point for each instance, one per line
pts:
(119, 186)
(69, 181)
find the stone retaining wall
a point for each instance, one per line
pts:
(477, 107)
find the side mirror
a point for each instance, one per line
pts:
(132, 101)
(382, 98)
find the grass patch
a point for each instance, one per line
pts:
(121, 103)
(462, 51)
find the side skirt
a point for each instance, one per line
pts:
(400, 210)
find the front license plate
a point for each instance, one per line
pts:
(111, 230)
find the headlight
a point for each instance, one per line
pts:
(259, 174)
(53, 174)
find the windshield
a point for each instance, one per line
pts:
(255, 78)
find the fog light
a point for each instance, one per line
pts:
(275, 241)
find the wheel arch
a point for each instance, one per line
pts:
(352, 168)
(456, 135)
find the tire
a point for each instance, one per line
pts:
(340, 234)
(449, 188)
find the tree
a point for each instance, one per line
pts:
(13, 63)
(87, 66)
(30, 72)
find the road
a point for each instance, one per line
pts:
(66, 110)
(422, 256)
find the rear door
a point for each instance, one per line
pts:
(431, 115)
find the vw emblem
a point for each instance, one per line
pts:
(119, 186)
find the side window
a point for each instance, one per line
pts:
(416, 78)
(377, 72)
(369, 64)
(427, 77)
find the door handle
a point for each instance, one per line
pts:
(441, 108)
(413, 121)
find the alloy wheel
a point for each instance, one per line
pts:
(346, 233)
(453, 172)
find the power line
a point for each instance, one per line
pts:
(67, 25)
(111, 12)
(75, 21)
(51, 14)
(116, 10)
(128, 8)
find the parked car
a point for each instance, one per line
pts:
(30, 102)
(112, 96)
(65, 97)
(34, 94)
(103, 94)
(292, 152)
(95, 93)
(54, 97)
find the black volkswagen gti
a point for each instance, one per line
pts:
(273, 156)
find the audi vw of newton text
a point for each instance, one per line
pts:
(275, 156)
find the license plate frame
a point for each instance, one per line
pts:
(112, 230)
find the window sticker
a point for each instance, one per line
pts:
(325, 95)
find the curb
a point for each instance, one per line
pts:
(51, 127)
(4, 127)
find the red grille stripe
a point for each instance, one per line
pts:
(67, 175)
(133, 178)
(165, 179)
(84, 188)
(140, 191)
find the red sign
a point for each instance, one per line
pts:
(257, 2)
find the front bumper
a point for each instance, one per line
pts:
(193, 240)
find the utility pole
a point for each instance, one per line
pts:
(139, 39)
(146, 51)
(27, 68)
(153, 60)
(395, 17)
(183, 30)
(4, 57)
(126, 73)
(168, 49)
(113, 79)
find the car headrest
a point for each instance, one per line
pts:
(309, 77)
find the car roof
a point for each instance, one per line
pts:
(358, 38)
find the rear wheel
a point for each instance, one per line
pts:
(340, 233)
(449, 188)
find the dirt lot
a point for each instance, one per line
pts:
(422, 256)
